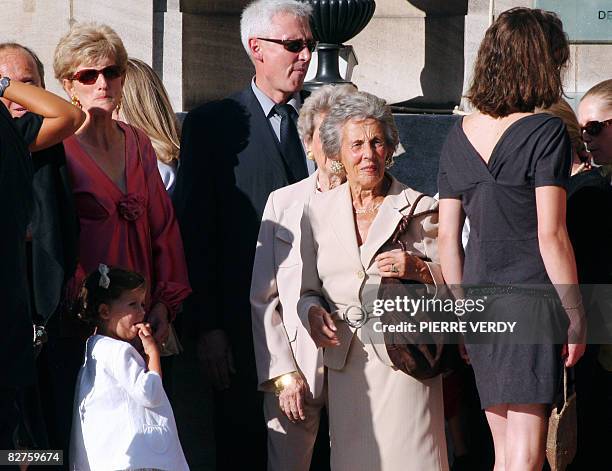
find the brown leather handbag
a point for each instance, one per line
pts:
(421, 356)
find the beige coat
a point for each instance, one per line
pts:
(344, 275)
(380, 418)
(282, 344)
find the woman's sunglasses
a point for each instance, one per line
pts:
(89, 76)
(593, 128)
(294, 45)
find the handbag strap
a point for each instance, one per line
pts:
(569, 383)
(402, 227)
(565, 385)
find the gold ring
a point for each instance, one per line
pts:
(394, 268)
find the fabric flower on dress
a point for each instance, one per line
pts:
(131, 206)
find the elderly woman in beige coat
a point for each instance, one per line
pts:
(380, 418)
(288, 362)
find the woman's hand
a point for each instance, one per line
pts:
(158, 318)
(400, 264)
(573, 352)
(322, 327)
(292, 397)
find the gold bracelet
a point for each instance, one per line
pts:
(282, 382)
(573, 308)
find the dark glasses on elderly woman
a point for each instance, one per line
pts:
(593, 128)
(89, 76)
(294, 45)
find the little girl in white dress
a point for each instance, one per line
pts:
(122, 417)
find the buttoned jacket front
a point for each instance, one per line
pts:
(338, 274)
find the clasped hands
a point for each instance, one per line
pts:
(400, 264)
(395, 263)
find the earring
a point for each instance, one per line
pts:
(389, 161)
(118, 107)
(309, 155)
(336, 166)
(75, 101)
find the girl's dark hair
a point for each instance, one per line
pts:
(92, 294)
(519, 63)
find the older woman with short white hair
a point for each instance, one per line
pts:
(288, 362)
(380, 418)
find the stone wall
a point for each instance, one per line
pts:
(39, 24)
(418, 53)
(411, 52)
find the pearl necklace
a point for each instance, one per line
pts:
(371, 209)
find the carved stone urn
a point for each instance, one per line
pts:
(334, 22)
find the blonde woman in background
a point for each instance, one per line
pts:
(581, 160)
(146, 106)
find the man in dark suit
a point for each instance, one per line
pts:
(234, 152)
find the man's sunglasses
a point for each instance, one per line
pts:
(89, 76)
(294, 45)
(593, 128)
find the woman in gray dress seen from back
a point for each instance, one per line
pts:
(506, 169)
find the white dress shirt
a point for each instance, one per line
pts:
(122, 417)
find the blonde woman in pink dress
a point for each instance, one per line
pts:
(125, 214)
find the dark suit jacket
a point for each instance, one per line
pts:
(54, 230)
(230, 162)
(589, 224)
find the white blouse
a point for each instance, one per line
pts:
(122, 417)
(168, 175)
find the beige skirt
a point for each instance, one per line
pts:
(382, 419)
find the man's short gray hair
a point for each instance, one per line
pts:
(360, 106)
(320, 102)
(257, 17)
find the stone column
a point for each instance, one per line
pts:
(411, 53)
(168, 48)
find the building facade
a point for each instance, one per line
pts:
(417, 53)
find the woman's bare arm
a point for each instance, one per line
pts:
(61, 119)
(450, 247)
(558, 256)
